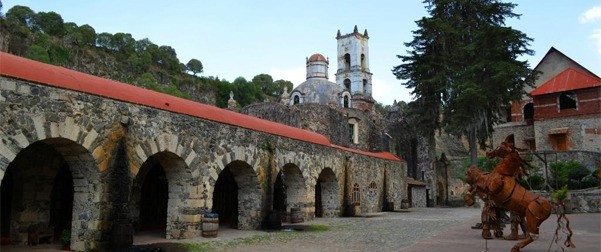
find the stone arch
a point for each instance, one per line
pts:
(327, 194)
(160, 190)
(239, 179)
(50, 172)
(85, 153)
(290, 189)
(347, 62)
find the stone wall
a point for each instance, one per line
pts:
(110, 145)
(418, 196)
(325, 120)
(578, 137)
(580, 201)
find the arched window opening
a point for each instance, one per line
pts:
(528, 111)
(356, 197)
(296, 99)
(373, 188)
(346, 101)
(347, 84)
(364, 86)
(567, 101)
(347, 62)
(362, 61)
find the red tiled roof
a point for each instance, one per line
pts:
(569, 79)
(29, 70)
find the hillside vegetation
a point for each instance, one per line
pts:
(46, 37)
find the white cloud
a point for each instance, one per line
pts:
(591, 15)
(296, 75)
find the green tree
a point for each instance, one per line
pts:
(265, 83)
(50, 23)
(279, 86)
(194, 66)
(463, 66)
(88, 35)
(22, 14)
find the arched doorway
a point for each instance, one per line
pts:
(161, 182)
(236, 196)
(289, 190)
(153, 200)
(326, 194)
(225, 199)
(38, 191)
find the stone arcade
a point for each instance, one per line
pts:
(105, 159)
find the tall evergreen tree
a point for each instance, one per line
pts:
(464, 68)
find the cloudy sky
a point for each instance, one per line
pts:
(250, 37)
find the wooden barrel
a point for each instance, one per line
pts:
(210, 225)
(296, 215)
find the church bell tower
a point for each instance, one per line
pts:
(353, 68)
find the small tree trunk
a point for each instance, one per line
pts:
(473, 146)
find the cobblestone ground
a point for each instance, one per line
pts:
(388, 231)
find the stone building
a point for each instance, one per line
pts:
(560, 118)
(105, 161)
(344, 112)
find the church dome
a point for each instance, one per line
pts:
(319, 91)
(317, 57)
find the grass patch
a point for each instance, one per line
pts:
(317, 228)
(200, 247)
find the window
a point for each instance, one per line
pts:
(347, 84)
(296, 99)
(567, 101)
(353, 130)
(373, 188)
(356, 197)
(347, 62)
(559, 142)
(345, 102)
(528, 111)
(362, 61)
(364, 87)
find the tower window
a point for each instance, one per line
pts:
(345, 102)
(296, 99)
(347, 84)
(567, 101)
(364, 86)
(362, 61)
(347, 62)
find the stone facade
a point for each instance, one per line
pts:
(110, 147)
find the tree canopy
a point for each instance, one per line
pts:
(194, 66)
(463, 67)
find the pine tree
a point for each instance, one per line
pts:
(464, 68)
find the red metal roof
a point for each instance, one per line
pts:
(569, 79)
(26, 69)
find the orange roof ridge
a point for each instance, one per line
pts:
(42, 73)
(569, 79)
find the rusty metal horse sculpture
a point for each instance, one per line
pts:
(505, 192)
